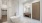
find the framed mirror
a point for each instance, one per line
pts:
(27, 10)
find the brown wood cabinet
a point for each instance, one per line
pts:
(27, 15)
(36, 10)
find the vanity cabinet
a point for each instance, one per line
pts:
(27, 15)
(36, 10)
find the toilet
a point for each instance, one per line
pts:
(15, 19)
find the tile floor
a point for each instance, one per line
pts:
(26, 20)
(4, 22)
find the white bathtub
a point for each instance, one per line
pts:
(15, 19)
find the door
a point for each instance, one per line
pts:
(36, 10)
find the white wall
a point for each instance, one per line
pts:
(41, 11)
(12, 7)
(0, 13)
(0, 9)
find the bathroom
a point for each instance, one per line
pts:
(17, 10)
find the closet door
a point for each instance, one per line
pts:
(36, 10)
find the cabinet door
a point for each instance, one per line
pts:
(36, 10)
